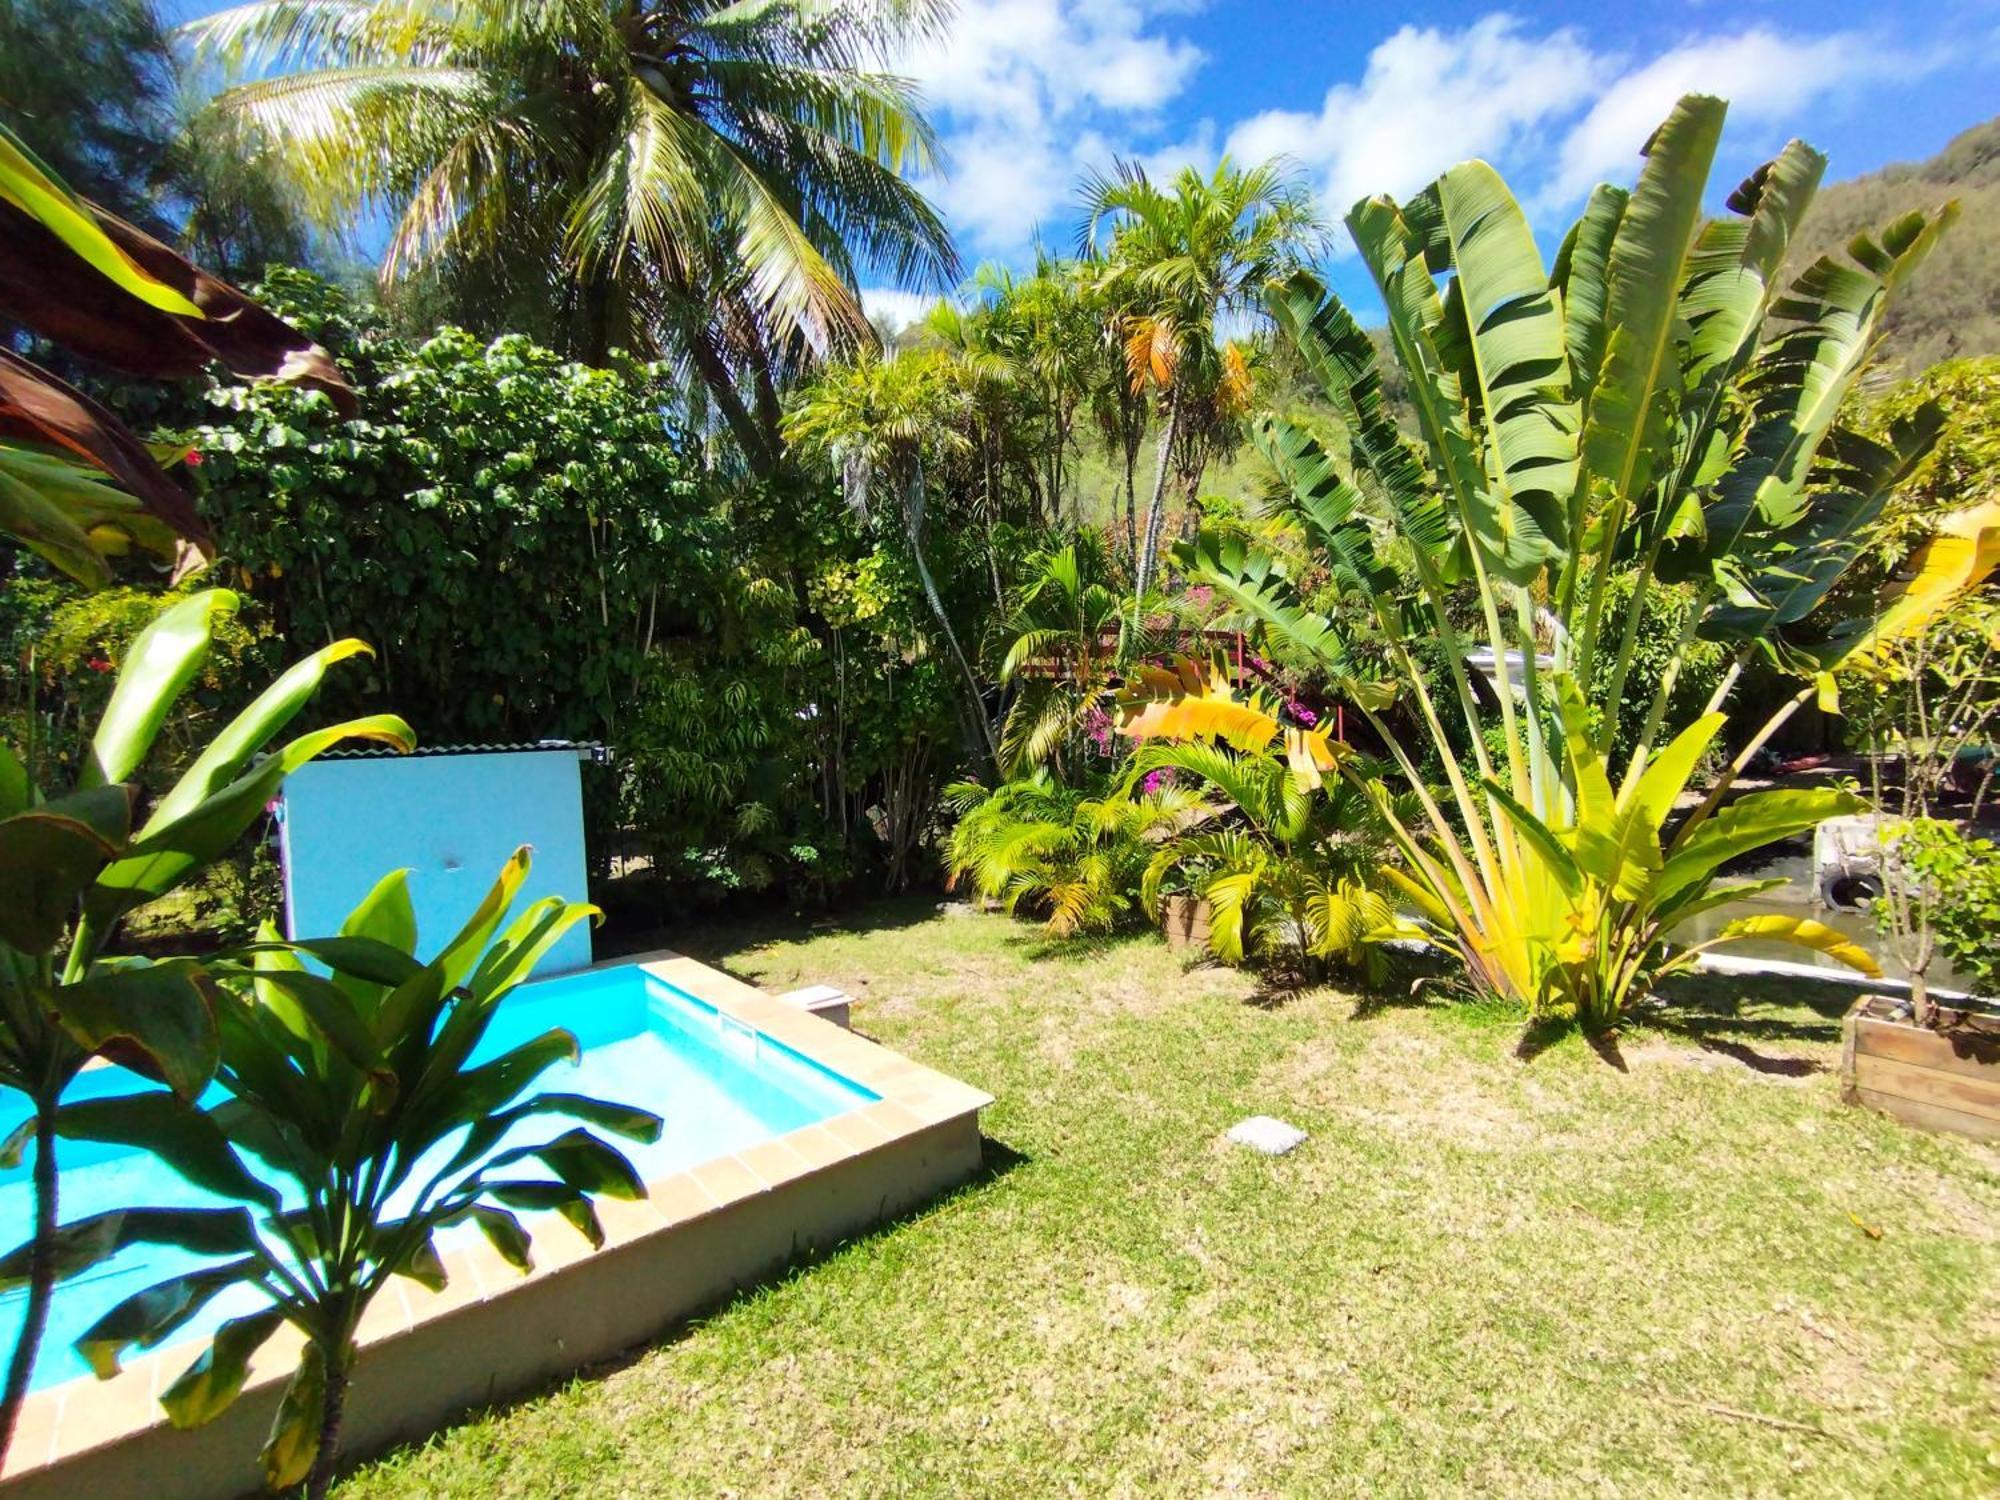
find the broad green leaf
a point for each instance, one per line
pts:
(16, 792)
(504, 1233)
(207, 1387)
(175, 1131)
(328, 1011)
(1802, 931)
(165, 854)
(621, 1119)
(87, 1242)
(583, 1162)
(1581, 274)
(229, 751)
(148, 1318)
(158, 666)
(29, 186)
(386, 916)
(442, 1104)
(1626, 428)
(1522, 362)
(525, 943)
(1560, 862)
(50, 530)
(49, 854)
(157, 1018)
(1750, 822)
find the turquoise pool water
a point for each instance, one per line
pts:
(719, 1085)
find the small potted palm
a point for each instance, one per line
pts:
(1928, 707)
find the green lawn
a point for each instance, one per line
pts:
(1689, 1271)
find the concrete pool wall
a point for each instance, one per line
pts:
(492, 1333)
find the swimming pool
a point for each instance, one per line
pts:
(720, 1084)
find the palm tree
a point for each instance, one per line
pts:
(1067, 621)
(1178, 260)
(685, 176)
(889, 420)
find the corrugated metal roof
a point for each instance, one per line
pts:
(589, 750)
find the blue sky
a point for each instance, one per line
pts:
(1368, 98)
(1028, 94)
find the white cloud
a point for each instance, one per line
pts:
(1028, 93)
(1428, 98)
(1031, 94)
(1766, 77)
(896, 309)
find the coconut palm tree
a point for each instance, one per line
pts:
(884, 422)
(685, 176)
(1179, 259)
(1067, 642)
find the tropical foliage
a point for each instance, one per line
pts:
(677, 176)
(1288, 860)
(1069, 636)
(76, 485)
(1924, 708)
(1623, 407)
(366, 1114)
(1075, 858)
(74, 863)
(1176, 260)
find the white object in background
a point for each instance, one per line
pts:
(1267, 1135)
(821, 1000)
(1487, 665)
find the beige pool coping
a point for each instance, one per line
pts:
(699, 1235)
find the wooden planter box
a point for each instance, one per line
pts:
(1185, 919)
(1944, 1079)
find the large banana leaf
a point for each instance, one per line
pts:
(164, 854)
(115, 295)
(1634, 396)
(1521, 360)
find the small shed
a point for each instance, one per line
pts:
(451, 815)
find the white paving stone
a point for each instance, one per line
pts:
(1267, 1135)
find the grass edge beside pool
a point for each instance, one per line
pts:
(1480, 1273)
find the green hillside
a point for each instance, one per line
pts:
(1951, 308)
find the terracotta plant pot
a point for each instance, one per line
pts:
(1185, 919)
(1938, 1078)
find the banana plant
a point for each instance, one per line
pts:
(1659, 401)
(364, 1118)
(73, 864)
(1289, 861)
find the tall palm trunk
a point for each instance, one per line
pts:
(913, 527)
(1128, 439)
(1156, 512)
(41, 1274)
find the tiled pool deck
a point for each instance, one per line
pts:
(493, 1332)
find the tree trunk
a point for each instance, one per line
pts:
(913, 526)
(1156, 512)
(327, 1459)
(1129, 440)
(41, 1274)
(749, 434)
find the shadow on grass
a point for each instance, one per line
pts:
(1036, 944)
(714, 937)
(998, 1160)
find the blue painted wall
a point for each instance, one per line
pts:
(451, 820)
